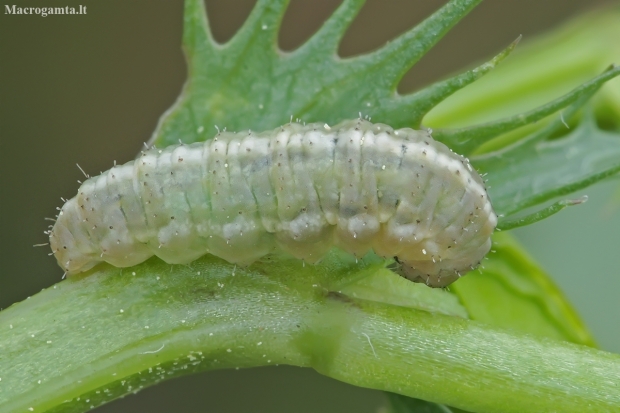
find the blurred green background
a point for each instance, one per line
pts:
(89, 89)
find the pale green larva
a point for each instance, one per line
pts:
(301, 189)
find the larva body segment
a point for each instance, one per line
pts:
(301, 189)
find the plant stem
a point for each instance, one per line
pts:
(93, 338)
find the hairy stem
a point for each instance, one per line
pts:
(91, 339)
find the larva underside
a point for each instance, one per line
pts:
(301, 189)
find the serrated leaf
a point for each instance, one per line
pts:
(536, 171)
(467, 140)
(507, 224)
(540, 70)
(248, 83)
(420, 103)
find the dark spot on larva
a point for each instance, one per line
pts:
(111, 227)
(240, 212)
(180, 159)
(458, 172)
(417, 221)
(172, 217)
(424, 152)
(426, 143)
(64, 247)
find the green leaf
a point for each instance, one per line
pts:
(466, 140)
(535, 171)
(249, 84)
(507, 224)
(423, 101)
(540, 70)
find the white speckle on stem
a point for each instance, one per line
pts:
(154, 351)
(369, 342)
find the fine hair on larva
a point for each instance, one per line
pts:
(300, 189)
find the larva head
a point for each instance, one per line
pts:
(66, 241)
(422, 272)
(444, 272)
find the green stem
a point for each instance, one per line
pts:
(94, 338)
